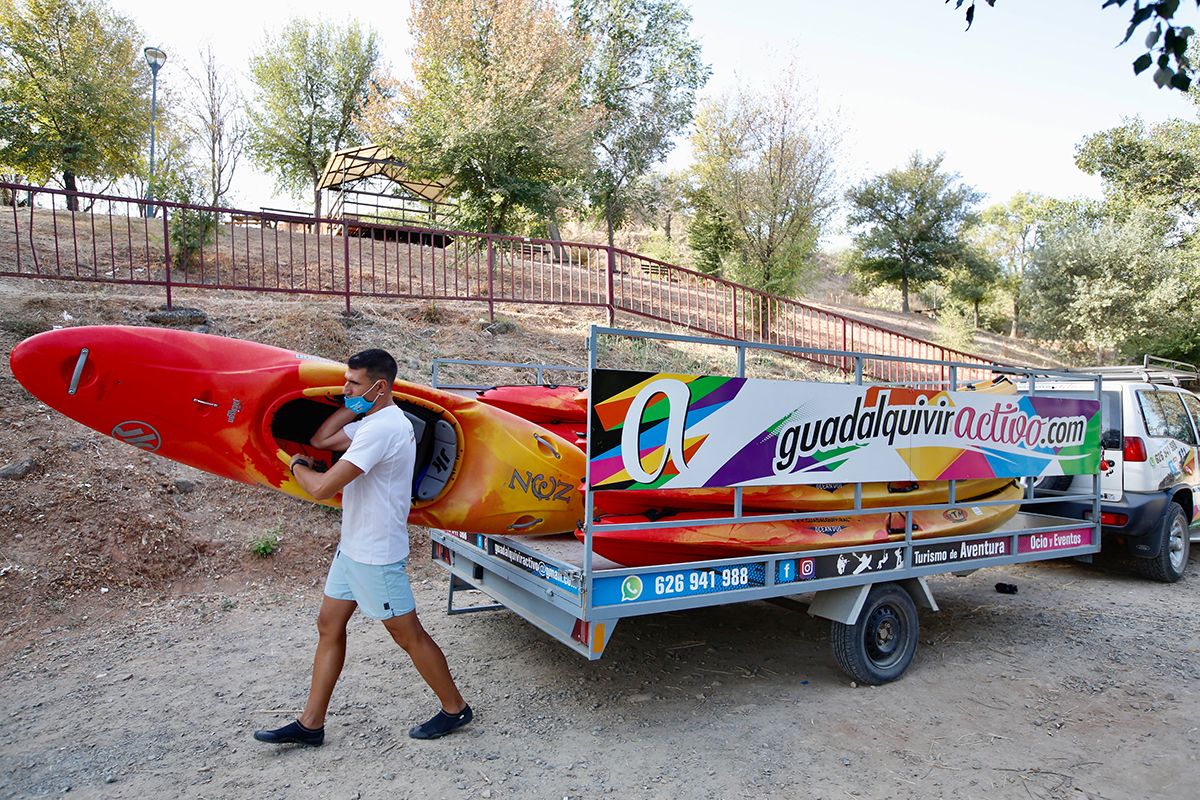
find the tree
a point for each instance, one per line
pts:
(910, 222)
(1112, 284)
(495, 106)
(765, 162)
(711, 234)
(642, 74)
(312, 83)
(215, 122)
(1166, 44)
(1157, 166)
(74, 91)
(971, 278)
(667, 200)
(1008, 233)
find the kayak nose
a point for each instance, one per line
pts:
(55, 364)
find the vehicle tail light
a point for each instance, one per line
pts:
(1134, 449)
(1110, 518)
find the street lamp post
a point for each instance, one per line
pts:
(155, 58)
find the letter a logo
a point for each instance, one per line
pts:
(678, 395)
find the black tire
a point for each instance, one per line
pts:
(1174, 545)
(880, 646)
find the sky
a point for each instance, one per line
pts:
(1005, 102)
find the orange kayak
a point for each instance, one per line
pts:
(691, 540)
(240, 409)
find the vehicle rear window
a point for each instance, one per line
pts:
(1166, 416)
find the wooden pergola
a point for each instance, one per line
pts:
(375, 191)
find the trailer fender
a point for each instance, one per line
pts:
(845, 604)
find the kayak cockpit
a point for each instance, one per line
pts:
(294, 423)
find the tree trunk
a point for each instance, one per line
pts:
(1016, 316)
(609, 224)
(667, 225)
(316, 201)
(904, 292)
(555, 236)
(69, 185)
(976, 313)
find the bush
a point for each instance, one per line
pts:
(190, 229)
(268, 543)
(955, 328)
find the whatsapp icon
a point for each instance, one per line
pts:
(631, 588)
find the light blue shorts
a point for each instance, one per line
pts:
(381, 590)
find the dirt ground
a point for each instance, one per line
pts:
(141, 642)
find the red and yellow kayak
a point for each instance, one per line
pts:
(240, 409)
(691, 540)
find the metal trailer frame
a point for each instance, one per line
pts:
(559, 585)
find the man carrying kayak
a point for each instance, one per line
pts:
(369, 569)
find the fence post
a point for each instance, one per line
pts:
(491, 279)
(167, 256)
(845, 347)
(346, 258)
(733, 289)
(612, 269)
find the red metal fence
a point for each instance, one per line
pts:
(53, 234)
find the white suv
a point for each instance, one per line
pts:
(1150, 476)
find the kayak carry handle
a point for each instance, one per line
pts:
(520, 526)
(83, 355)
(546, 444)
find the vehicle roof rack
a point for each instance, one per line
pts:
(1152, 370)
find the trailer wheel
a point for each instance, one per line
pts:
(880, 646)
(1171, 562)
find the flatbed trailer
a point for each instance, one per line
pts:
(869, 592)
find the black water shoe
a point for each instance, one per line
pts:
(441, 724)
(293, 733)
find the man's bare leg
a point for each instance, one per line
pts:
(328, 659)
(428, 658)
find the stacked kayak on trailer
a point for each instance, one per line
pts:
(695, 537)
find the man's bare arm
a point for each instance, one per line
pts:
(323, 485)
(330, 435)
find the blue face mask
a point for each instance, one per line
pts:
(360, 404)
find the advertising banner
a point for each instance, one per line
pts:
(659, 430)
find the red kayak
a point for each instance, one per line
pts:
(540, 403)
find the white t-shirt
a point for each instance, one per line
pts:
(375, 504)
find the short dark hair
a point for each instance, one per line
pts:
(379, 364)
